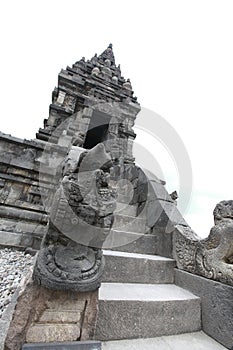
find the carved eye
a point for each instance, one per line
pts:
(82, 257)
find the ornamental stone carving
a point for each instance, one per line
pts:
(211, 257)
(81, 217)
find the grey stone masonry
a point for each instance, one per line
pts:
(217, 305)
(23, 186)
(21, 208)
(129, 311)
(131, 242)
(137, 268)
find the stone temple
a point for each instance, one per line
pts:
(116, 264)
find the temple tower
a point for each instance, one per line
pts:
(93, 103)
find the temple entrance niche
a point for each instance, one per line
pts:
(98, 129)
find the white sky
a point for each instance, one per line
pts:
(178, 55)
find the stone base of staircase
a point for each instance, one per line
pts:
(138, 299)
(129, 311)
(216, 305)
(190, 341)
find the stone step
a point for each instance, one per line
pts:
(129, 311)
(131, 242)
(129, 223)
(190, 341)
(137, 268)
(53, 332)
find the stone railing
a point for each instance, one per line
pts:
(211, 257)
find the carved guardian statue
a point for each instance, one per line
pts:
(81, 218)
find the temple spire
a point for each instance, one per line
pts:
(87, 81)
(108, 54)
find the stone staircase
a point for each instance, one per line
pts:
(138, 298)
(140, 307)
(129, 232)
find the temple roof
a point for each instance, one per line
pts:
(108, 54)
(103, 67)
(88, 82)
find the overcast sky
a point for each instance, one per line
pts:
(178, 55)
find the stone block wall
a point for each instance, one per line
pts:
(217, 305)
(23, 219)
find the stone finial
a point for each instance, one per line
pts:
(107, 71)
(81, 62)
(107, 62)
(115, 79)
(174, 195)
(127, 85)
(95, 71)
(108, 54)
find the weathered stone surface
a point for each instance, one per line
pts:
(53, 316)
(22, 209)
(217, 305)
(55, 332)
(164, 214)
(10, 238)
(129, 311)
(129, 223)
(23, 214)
(88, 345)
(158, 191)
(137, 268)
(44, 315)
(211, 257)
(164, 242)
(131, 242)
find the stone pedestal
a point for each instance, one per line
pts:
(43, 315)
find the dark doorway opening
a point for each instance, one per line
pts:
(97, 130)
(95, 136)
